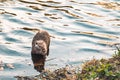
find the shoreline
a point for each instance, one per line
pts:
(103, 69)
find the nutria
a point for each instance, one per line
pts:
(40, 49)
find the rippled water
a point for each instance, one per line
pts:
(79, 29)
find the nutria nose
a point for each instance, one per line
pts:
(36, 46)
(36, 43)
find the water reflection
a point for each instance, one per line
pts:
(38, 61)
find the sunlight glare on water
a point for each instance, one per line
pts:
(80, 30)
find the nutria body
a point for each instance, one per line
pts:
(40, 49)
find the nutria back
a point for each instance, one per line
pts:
(40, 49)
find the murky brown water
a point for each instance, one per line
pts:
(79, 29)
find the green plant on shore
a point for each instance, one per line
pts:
(102, 69)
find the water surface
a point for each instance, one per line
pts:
(80, 30)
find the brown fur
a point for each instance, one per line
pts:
(40, 49)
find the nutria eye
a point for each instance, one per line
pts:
(36, 43)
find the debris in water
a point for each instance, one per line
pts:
(1, 65)
(9, 65)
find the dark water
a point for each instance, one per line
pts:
(79, 29)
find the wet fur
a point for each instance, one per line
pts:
(39, 58)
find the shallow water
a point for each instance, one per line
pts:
(80, 30)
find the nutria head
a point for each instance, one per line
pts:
(40, 47)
